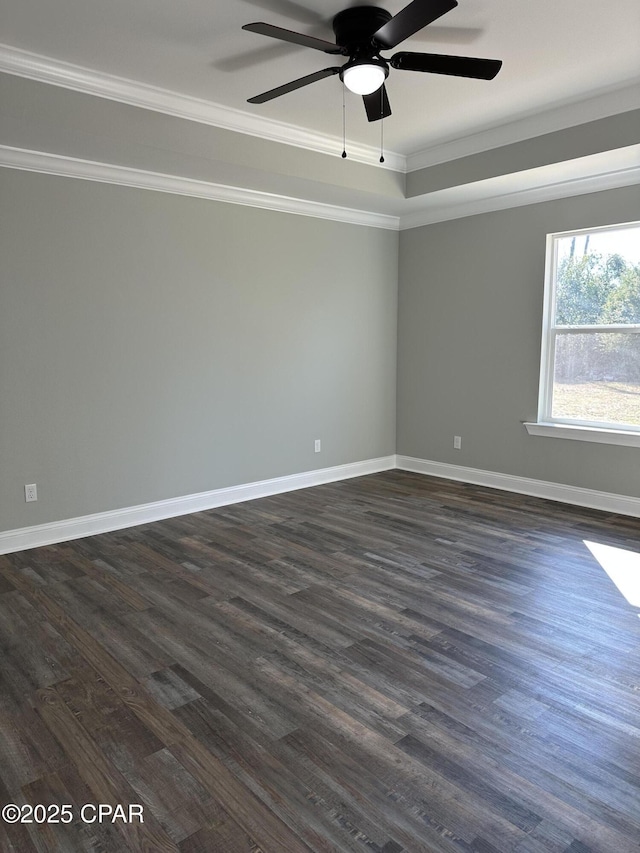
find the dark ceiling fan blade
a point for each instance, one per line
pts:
(455, 66)
(409, 20)
(295, 38)
(377, 104)
(293, 85)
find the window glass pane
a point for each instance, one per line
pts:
(597, 377)
(598, 278)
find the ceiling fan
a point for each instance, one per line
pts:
(361, 32)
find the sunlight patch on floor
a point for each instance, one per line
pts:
(622, 566)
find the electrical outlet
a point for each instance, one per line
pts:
(31, 493)
(457, 442)
(317, 445)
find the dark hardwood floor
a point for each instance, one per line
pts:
(393, 663)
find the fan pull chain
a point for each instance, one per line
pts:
(344, 126)
(382, 124)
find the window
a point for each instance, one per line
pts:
(590, 367)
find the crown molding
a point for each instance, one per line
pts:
(33, 66)
(44, 69)
(605, 103)
(439, 207)
(71, 167)
(621, 169)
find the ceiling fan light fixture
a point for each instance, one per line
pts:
(364, 78)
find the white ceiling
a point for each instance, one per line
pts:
(554, 52)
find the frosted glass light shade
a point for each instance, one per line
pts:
(363, 79)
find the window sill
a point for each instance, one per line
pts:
(628, 438)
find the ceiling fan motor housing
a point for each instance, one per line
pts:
(354, 28)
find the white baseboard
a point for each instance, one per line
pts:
(605, 501)
(118, 519)
(103, 522)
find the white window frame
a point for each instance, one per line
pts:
(547, 425)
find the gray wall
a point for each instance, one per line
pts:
(153, 346)
(469, 328)
(594, 137)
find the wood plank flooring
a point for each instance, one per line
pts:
(387, 664)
